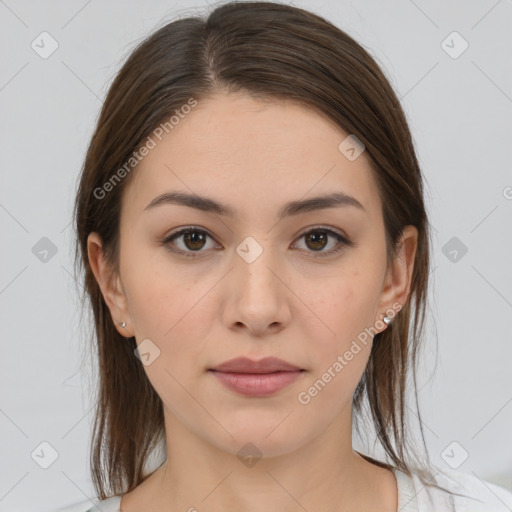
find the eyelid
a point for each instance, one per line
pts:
(328, 229)
(180, 232)
(343, 240)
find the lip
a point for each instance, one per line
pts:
(257, 384)
(265, 365)
(256, 378)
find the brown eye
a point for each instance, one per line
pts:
(193, 241)
(317, 239)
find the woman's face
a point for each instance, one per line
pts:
(255, 283)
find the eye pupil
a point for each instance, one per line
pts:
(194, 237)
(316, 237)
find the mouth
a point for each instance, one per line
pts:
(257, 384)
(266, 365)
(256, 378)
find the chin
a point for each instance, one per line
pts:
(253, 440)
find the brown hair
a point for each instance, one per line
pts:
(272, 52)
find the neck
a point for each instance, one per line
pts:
(198, 475)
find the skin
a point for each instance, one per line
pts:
(290, 303)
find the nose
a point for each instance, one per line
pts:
(259, 297)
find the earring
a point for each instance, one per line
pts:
(122, 324)
(387, 320)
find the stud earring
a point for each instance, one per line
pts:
(122, 324)
(387, 320)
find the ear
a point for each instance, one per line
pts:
(110, 285)
(397, 283)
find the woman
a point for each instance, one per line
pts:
(255, 246)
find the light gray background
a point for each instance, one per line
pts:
(459, 110)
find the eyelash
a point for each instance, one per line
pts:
(342, 241)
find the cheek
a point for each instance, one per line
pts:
(172, 309)
(346, 306)
(341, 355)
(173, 316)
(156, 294)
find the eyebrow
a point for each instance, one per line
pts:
(206, 204)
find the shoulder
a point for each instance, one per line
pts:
(109, 505)
(466, 493)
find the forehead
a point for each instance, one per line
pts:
(245, 151)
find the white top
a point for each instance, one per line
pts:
(413, 496)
